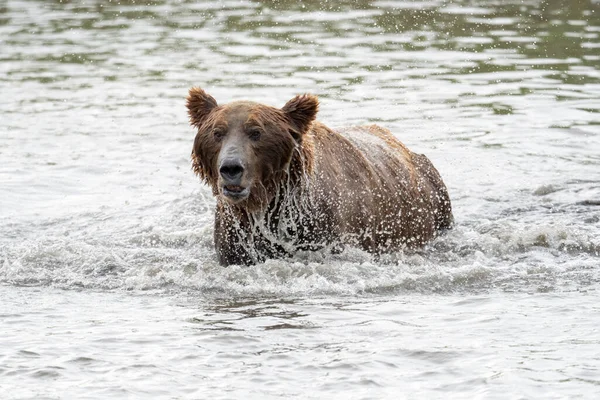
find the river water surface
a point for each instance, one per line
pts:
(109, 284)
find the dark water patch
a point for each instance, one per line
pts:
(28, 354)
(85, 361)
(52, 372)
(589, 203)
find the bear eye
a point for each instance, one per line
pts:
(254, 133)
(218, 133)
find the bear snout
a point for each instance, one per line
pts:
(231, 171)
(232, 174)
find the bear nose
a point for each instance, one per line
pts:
(231, 170)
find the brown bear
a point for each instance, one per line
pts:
(285, 182)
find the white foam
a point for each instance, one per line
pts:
(175, 252)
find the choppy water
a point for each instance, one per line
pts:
(109, 285)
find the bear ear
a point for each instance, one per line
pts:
(199, 105)
(302, 111)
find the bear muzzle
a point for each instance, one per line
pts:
(232, 172)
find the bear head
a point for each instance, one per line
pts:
(246, 150)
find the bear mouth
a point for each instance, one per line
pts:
(235, 192)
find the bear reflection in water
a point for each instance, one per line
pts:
(285, 182)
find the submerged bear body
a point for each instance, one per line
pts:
(285, 182)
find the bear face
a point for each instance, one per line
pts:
(243, 150)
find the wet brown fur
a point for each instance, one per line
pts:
(314, 187)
